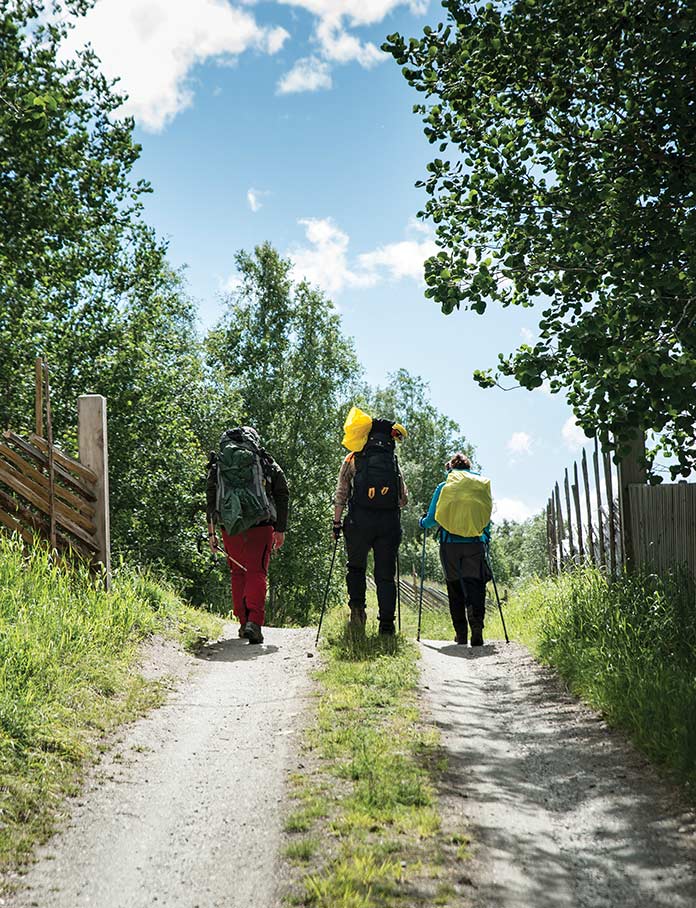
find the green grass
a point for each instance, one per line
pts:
(628, 648)
(373, 765)
(67, 650)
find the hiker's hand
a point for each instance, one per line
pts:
(213, 543)
(278, 540)
(336, 529)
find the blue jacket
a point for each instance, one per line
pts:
(429, 521)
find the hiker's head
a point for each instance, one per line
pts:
(458, 461)
(387, 428)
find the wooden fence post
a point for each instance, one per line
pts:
(598, 490)
(38, 400)
(591, 547)
(571, 541)
(631, 471)
(94, 453)
(578, 514)
(612, 515)
(560, 528)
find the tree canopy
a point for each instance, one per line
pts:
(567, 180)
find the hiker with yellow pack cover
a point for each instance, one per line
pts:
(461, 509)
(371, 487)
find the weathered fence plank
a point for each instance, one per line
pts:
(560, 527)
(664, 526)
(93, 448)
(578, 515)
(591, 549)
(598, 494)
(571, 541)
(612, 513)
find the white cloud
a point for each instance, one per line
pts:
(231, 283)
(399, 260)
(520, 443)
(527, 335)
(339, 46)
(325, 261)
(255, 198)
(153, 45)
(335, 44)
(308, 74)
(573, 436)
(513, 509)
(358, 12)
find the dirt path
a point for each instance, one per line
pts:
(186, 811)
(562, 811)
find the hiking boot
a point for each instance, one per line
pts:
(387, 629)
(476, 636)
(240, 632)
(253, 632)
(358, 616)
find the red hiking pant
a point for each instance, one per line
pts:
(253, 550)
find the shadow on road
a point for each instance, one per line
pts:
(464, 652)
(576, 810)
(234, 650)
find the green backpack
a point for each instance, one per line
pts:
(243, 500)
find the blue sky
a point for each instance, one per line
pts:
(282, 121)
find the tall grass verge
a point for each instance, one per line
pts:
(67, 649)
(628, 648)
(367, 789)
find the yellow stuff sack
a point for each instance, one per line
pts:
(465, 504)
(356, 429)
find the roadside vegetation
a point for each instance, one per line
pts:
(364, 827)
(67, 676)
(627, 647)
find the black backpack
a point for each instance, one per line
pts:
(377, 483)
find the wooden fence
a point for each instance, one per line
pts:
(47, 494)
(613, 521)
(663, 524)
(583, 522)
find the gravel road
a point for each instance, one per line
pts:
(186, 811)
(562, 811)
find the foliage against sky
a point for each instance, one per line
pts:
(567, 179)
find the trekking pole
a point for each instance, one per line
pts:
(398, 589)
(326, 591)
(495, 587)
(420, 601)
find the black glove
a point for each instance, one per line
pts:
(337, 527)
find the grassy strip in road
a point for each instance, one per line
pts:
(367, 787)
(67, 651)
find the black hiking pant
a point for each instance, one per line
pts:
(467, 573)
(379, 532)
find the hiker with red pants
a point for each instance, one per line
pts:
(247, 496)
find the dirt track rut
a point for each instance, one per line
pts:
(186, 811)
(563, 812)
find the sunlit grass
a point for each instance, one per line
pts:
(382, 826)
(626, 647)
(67, 649)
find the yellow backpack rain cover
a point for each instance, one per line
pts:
(465, 504)
(356, 429)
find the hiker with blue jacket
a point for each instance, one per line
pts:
(461, 510)
(247, 497)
